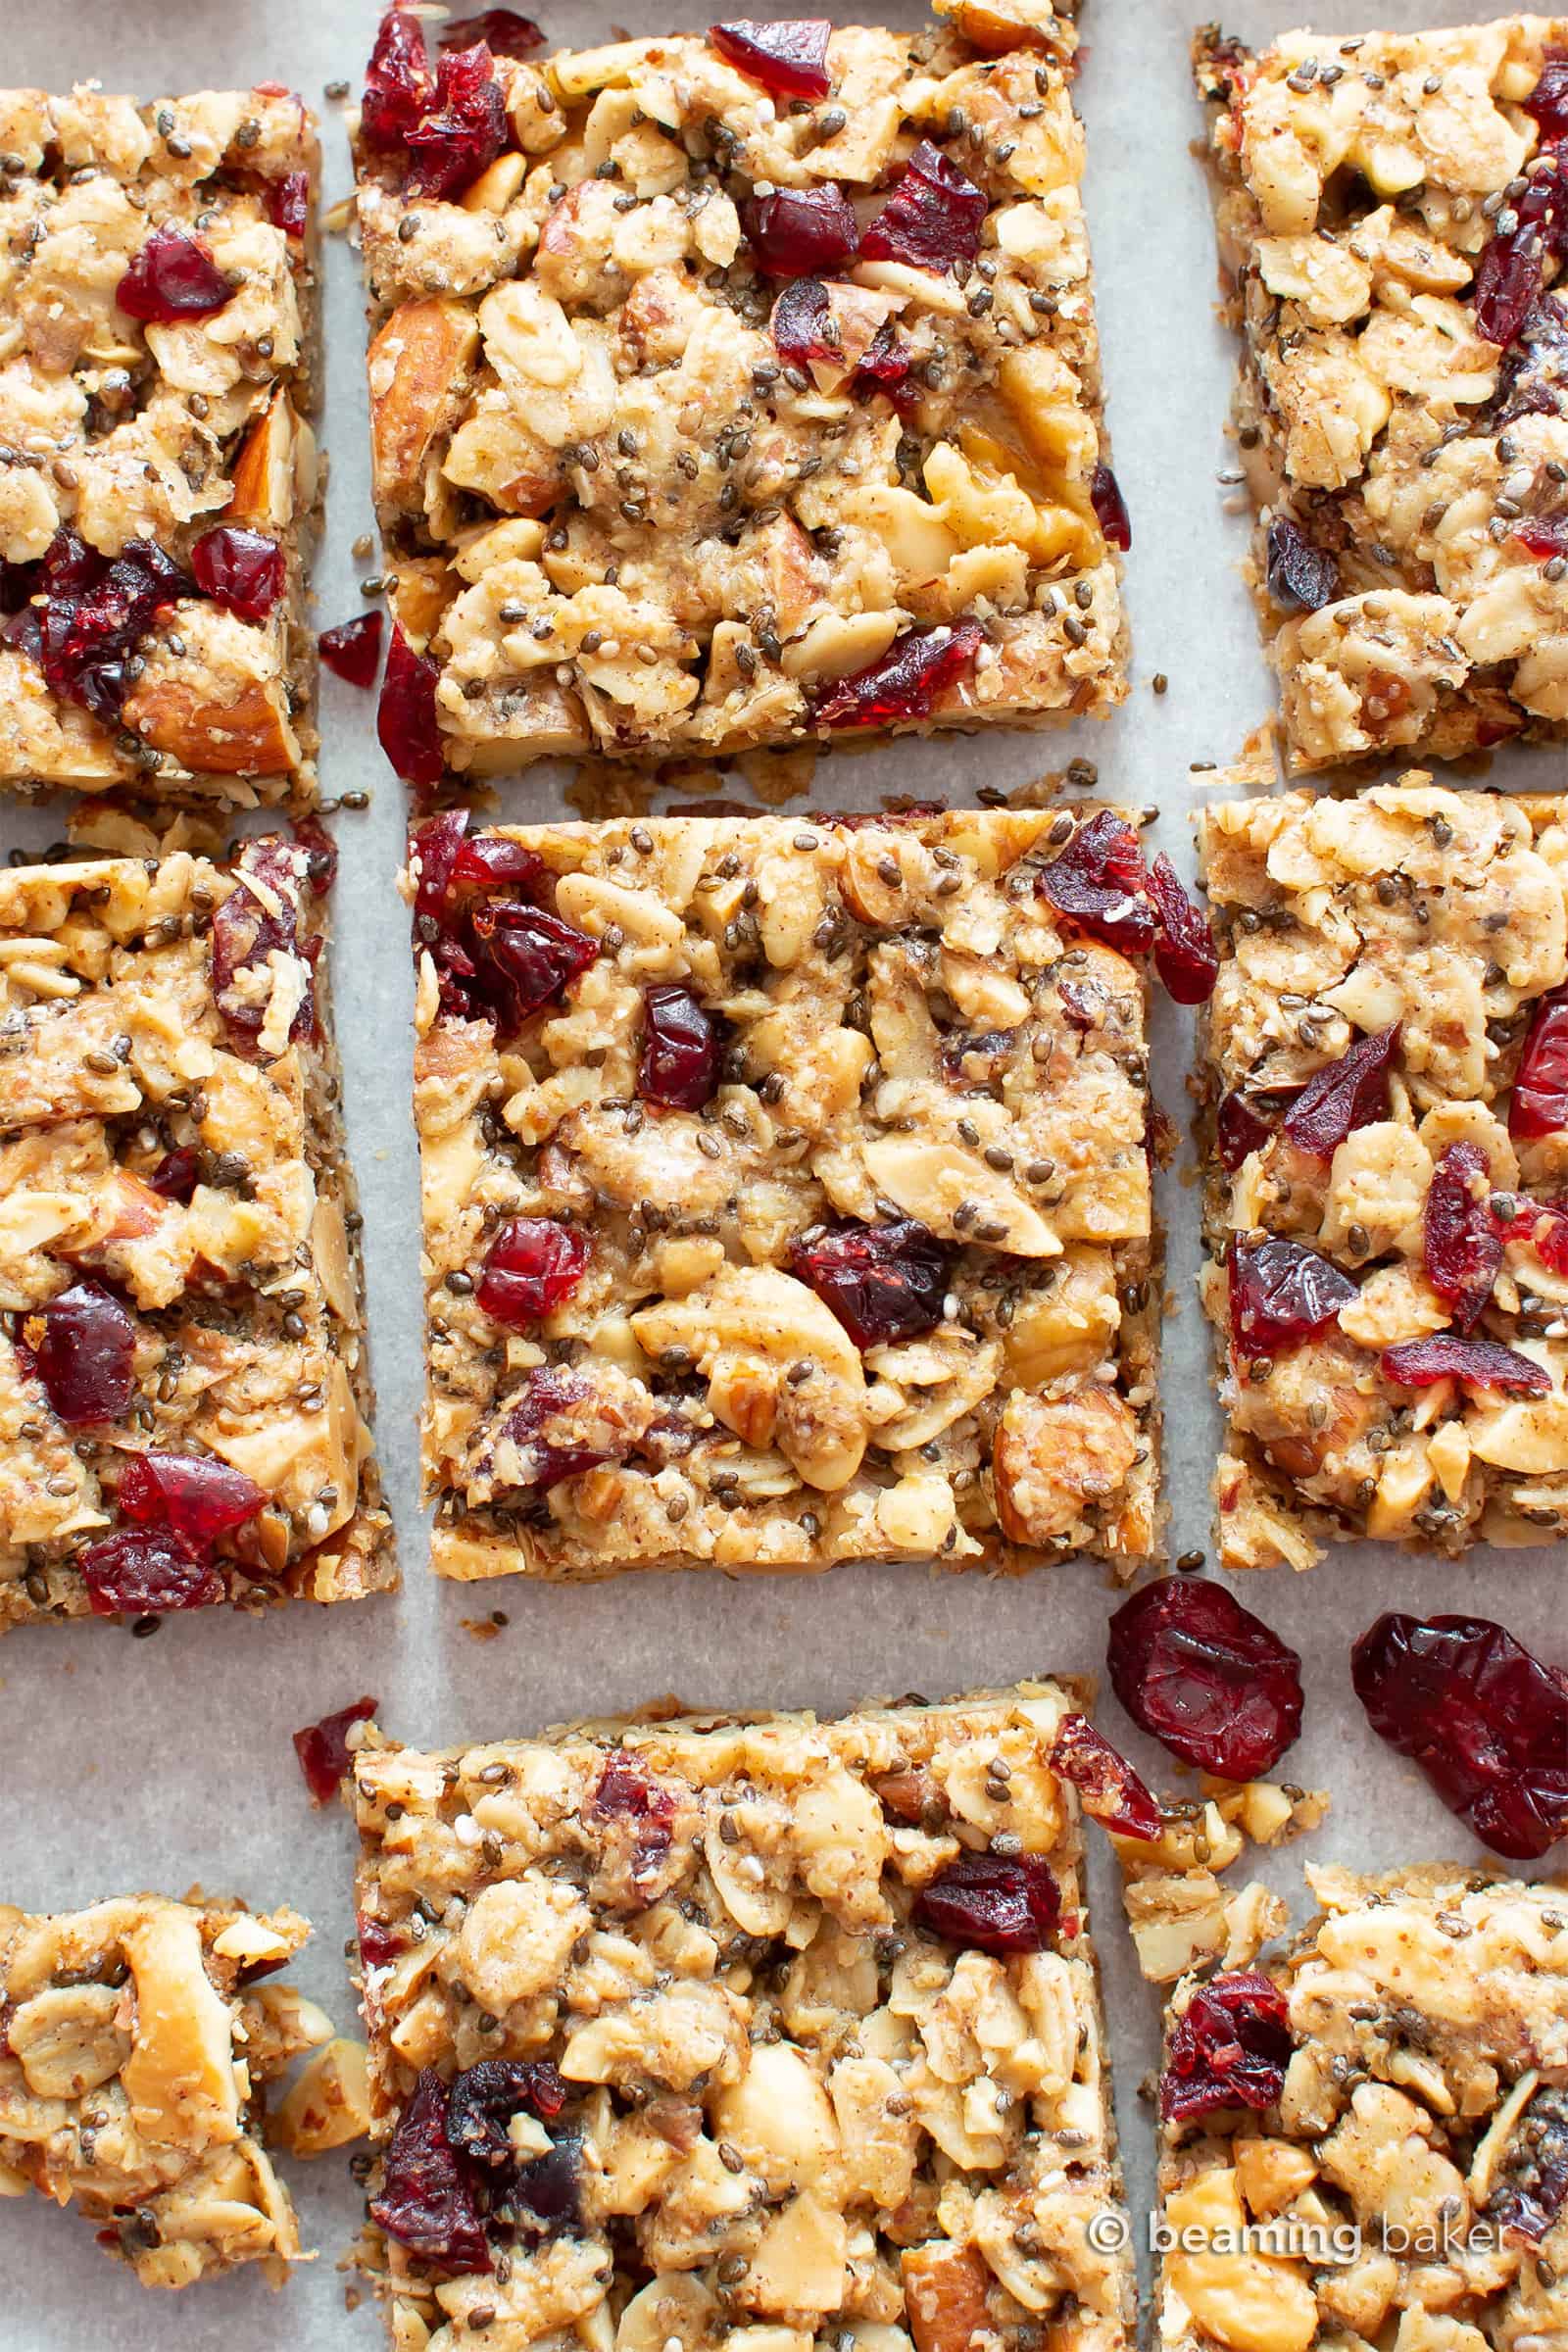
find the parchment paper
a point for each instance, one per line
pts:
(163, 1762)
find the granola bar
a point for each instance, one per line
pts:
(706, 416)
(1385, 1135)
(183, 1384)
(1393, 214)
(157, 474)
(1384, 2112)
(729, 2031)
(137, 2048)
(786, 1198)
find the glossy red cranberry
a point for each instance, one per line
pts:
(904, 682)
(1349, 1093)
(352, 649)
(1238, 1131)
(885, 369)
(682, 1047)
(321, 854)
(1479, 1363)
(624, 1792)
(396, 80)
(85, 1356)
(95, 615)
(1302, 576)
(549, 2190)
(1185, 954)
(1548, 102)
(1460, 1243)
(427, 2200)
(493, 861)
(800, 232)
(322, 1750)
(485, 2098)
(241, 570)
(531, 1266)
(172, 277)
(1106, 1784)
(1529, 2186)
(1100, 884)
(1110, 508)
(1544, 535)
(788, 58)
(1547, 1222)
(1486, 1721)
(380, 1941)
(190, 1493)
(883, 1282)
(1508, 277)
(147, 1572)
(532, 957)
(503, 31)
(933, 218)
(1533, 379)
(250, 928)
(548, 1438)
(176, 1174)
(1230, 2049)
(799, 324)
(1204, 1677)
(289, 203)
(461, 127)
(405, 723)
(1281, 1294)
(990, 1903)
(1538, 1104)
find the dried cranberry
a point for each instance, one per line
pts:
(990, 1903)
(885, 369)
(541, 1426)
(241, 570)
(531, 1266)
(172, 277)
(904, 682)
(1460, 1244)
(405, 723)
(1302, 576)
(321, 854)
(485, 2098)
(1548, 102)
(96, 614)
(352, 649)
(252, 926)
(192, 1494)
(147, 1572)
(682, 1047)
(1106, 1781)
(1479, 1363)
(176, 1174)
(549, 2190)
(1238, 1131)
(1544, 535)
(1204, 1677)
(1099, 883)
(800, 232)
(1486, 1721)
(883, 1282)
(1110, 508)
(1529, 2186)
(533, 954)
(788, 58)
(1230, 2047)
(624, 1792)
(396, 80)
(1349, 1093)
(799, 324)
(86, 1354)
(1533, 381)
(492, 861)
(933, 218)
(322, 1750)
(1185, 954)
(1538, 1104)
(503, 31)
(289, 203)
(1281, 1293)
(1509, 273)
(379, 1942)
(427, 2200)
(462, 126)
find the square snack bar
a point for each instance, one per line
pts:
(183, 1382)
(786, 1198)
(742, 2036)
(157, 477)
(721, 400)
(1386, 1085)
(1384, 2112)
(134, 2061)
(1393, 214)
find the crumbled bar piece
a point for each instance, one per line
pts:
(1386, 1135)
(1178, 1913)
(183, 1381)
(713, 410)
(157, 474)
(786, 1193)
(136, 2043)
(1393, 216)
(1367, 2141)
(737, 2033)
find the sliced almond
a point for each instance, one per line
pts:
(419, 366)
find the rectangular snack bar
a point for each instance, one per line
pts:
(1386, 1139)
(157, 478)
(183, 1382)
(1393, 215)
(138, 2049)
(723, 397)
(728, 2033)
(786, 1196)
(1367, 2141)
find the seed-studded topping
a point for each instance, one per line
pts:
(1204, 1677)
